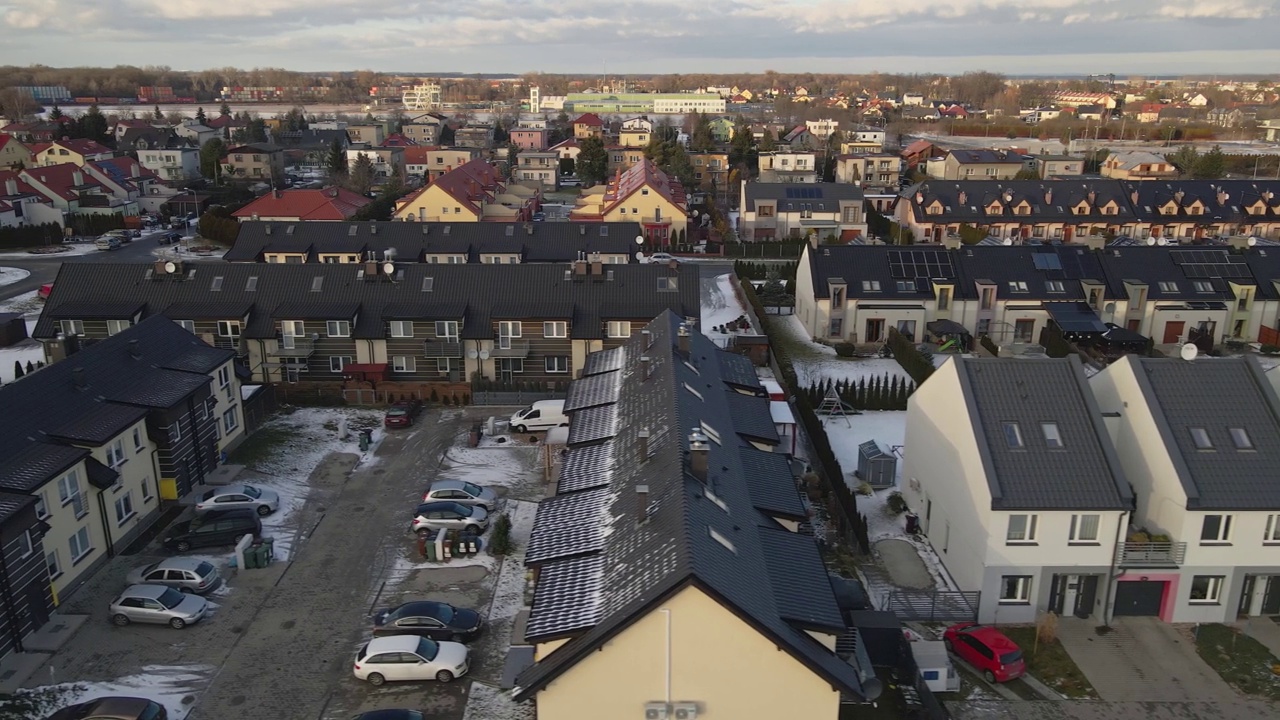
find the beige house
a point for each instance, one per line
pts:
(13, 153)
(538, 169)
(1137, 165)
(869, 170)
(77, 152)
(643, 194)
(815, 212)
(472, 192)
(789, 166)
(255, 161)
(422, 133)
(977, 165)
(634, 138)
(1058, 166)
(372, 134)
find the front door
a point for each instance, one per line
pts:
(1247, 591)
(875, 330)
(1173, 332)
(36, 606)
(1271, 599)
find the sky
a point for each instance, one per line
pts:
(1014, 37)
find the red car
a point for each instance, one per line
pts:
(997, 657)
(401, 414)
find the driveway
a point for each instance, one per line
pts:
(1142, 659)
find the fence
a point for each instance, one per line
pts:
(933, 605)
(514, 397)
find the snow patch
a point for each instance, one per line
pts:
(27, 303)
(64, 250)
(9, 276)
(821, 362)
(496, 466)
(489, 703)
(720, 306)
(171, 253)
(174, 687)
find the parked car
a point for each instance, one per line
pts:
(661, 257)
(263, 501)
(401, 414)
(390, 715)
(449, 516)
(997, 657)
(157, 604)
(408, 657)
(45, 291)
(107, 242)
(124, 235)
(113, 708)
(461, 492)
(427, 618)
(212, 529)
(181, 573)
(169, 238)
(542, 415)
(539, 216)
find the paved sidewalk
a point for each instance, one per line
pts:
(1264, 630)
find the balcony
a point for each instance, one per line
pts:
(442, 349)
(230, 343)
(505, 347)
(291, 346)
(1152, 554)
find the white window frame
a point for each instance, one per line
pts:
(124, 508)
(224, 377)
(42, 506)
(619, 329)
(403, 364)
(146, 489)
(115, 327)
(1077, 535)
(1272, 534)
(234, 422)
(175, 433)
(1223, 536)
(72, 327)
(337, 328)
(561, 364)
(450, 328)
(53, 563)
(509, 329)
(85, 546)
(343, 361)
(1052, 435)
(1212, 590)
(229, 328)
(447, 365)
(1021, 590)
(1028, 532)
(401, 328)
(68, 487)
(138, 445)
(555, 329)
(188, 325)
(27, 547)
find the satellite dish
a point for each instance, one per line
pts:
(1251, 241)
(1110, 307)
(639, 239)
(639, 256)
(1162, 241)
(1151, 241)
(171, 267)
(388, 268)
(1189, 352)
(472, 354)
(1007, 241)
(484, 354)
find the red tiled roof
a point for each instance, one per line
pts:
(468, 183)
(23, 187)
(222, 121)
(397, 140)
(916, 147)
(323, 204)
(6, 139)
(571, 142)
(642, 174)
(590, 119)
(83, 147)
(59, 179)
(37, 148)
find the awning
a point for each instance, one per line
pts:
(1123, 336)
(364, 371)
(1075, 317)
(946, 327)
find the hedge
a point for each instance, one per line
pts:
(917, 365)
(93, 224)
(990, 345)
(28, 236)
(887, 393)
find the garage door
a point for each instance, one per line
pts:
(1139, 598)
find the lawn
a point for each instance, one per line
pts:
(259, 446)
(1050, 664)
(1242, 661)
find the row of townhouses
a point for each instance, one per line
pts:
(92, 446)
(1176, 211)
(1146, 490)
(410, 325)
(49, 193)
(1171, 295)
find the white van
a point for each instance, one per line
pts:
(542, 415)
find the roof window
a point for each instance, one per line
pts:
(1201, 438)
(216, 285)
(1052, 437)
(722, 540)
(1018, 286)
(1013, 435)
(870, 286)
(1241, 438)
(251, 285)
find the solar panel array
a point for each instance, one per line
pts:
(594, 390)
(804, 193)
(567, 597)
(1210, 264)
(920, 264)
(1047, 261)
(586, 467)
(568, 525)
(592, 424)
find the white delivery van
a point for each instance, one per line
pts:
(542, 415)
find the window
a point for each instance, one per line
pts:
(1272, 536)
(188, 325)
(556, 329)
(1084, 529)
(401, 328)
(1054, 286)
(1202, 286)
(1022, 529)
(1200, 437)
(175, 432)
(619, 329)
(1018, 286)
(79, 544)
(1216, 529)
(69, 492)
(146, 489)
(403, 363)
(906, 286)
(1013, 435)
(1206, 589)
(42, 509)
(1052, 437)
(1023, 330)
(338, 328)
(870, 286)
(224, 376)
(117, 326)
(557, 364)
(25, 547)
(230, 421)
(124, 508)
(447, 330)
(1168, 286)
(446, 365)
(1015, 589)
(944, 298)
(337, 362)
(137, 440)
(55, 567)
(73, 327)
(1240, 437)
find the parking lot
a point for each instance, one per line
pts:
(281, 640)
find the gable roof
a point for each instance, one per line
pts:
(643, 175)
(684, 531)
(82, 146)
(1083, 474)
(324, 204)
(792, 194)
(1175, 273)
(985, 156)
(46, 411)
(1216, 395)
(590, 119)
(969, 201)
(470, 183)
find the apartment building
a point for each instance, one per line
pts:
(538, 169)
(789, 166)
(255, 161)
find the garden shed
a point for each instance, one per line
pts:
(877, 465)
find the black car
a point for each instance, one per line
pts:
(390, 715)
(113, 708)
(212, 529)
(426, 618)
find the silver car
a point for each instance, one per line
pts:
(157, 604)
(231, 497)
(461, 492)
(432, 516)
(185, 574)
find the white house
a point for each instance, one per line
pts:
(781, 210)
(789, 166)
(1200, 442)
(641, 123)
(1013, 475)
(172, 164)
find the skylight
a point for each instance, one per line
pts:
(722, 540)
(216, 285)
(1013, 435)
(1241, 438)
(251, 285)
(1201, 438)
(696, 394)
(1052, 437)
(317, 283)
(712, 434)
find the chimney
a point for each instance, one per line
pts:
(77, 378)
(1048, 197)
(597, 267)
(1222, 197)
(134, 352)
(277, 194)
(77, 178)
(673, 264)
(582, 229)
(1093, 197)
(1177, 197)
(579, 267)
(11, 186)
(135, 170)
(698, 455)
(1133, 197)
(642, 503)
(646, 365)
(963, 198)
(642, 445)
(683, 334)
(370, 268)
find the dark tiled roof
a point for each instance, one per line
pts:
(120, 309)
(540, 242)
(1083, 474)
(474, 289)
(586, 467)
(100, 425)
(1216, 394)
(967, 201)
(1153, 266)
(769, 482)
(208, 310)
(789, 196)
(751, 417)
(35, 464)
(13, 503)
(738, 370)
(1051, 272)
(682, 531)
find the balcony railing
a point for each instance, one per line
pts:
(1152, 554)
(230, 343)
(509, 348)
(441, 349)
(291, 346)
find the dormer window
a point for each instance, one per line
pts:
(1018, 286)
(994, 209)
(870, 286)
(1082, 209)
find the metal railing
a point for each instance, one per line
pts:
(1152, 554)
(442, 349)
(231, 343)
(512, 349)
(291, 346)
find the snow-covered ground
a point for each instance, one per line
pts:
(9, 276)
(27, 303)
(27, 351)
(820, 362)
(64, 250)
(175, 687)
(721, 305)
(489, 703)
(313, 433)
(170, 252)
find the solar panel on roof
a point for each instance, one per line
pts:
(1046, 261)
(920, 264)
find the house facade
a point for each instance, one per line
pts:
(530, 139)
(786, 166)
(881, 170)
(643, 194)
(175, 165)
(788, 210)
(538, 169)
(1021, 494)
(255, 161)
(472, 192)
(977, 165)
(77, 152)
(1137, 165)
(13, 154)
(25, 589)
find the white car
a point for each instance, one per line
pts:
(409, 657)
(662, 257)
(233, 497)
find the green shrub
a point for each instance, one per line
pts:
(865, 489)
(897, 504)
(844, 349)
(500, 542)
(918, 365)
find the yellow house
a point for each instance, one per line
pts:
(474, 192)
(13, 153)
(630, 138)
(643, 194)
(75, 151)
(676, 602)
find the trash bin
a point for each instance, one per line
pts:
(366, 439)
(270, 544)
(250, 558)
(913, 523)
